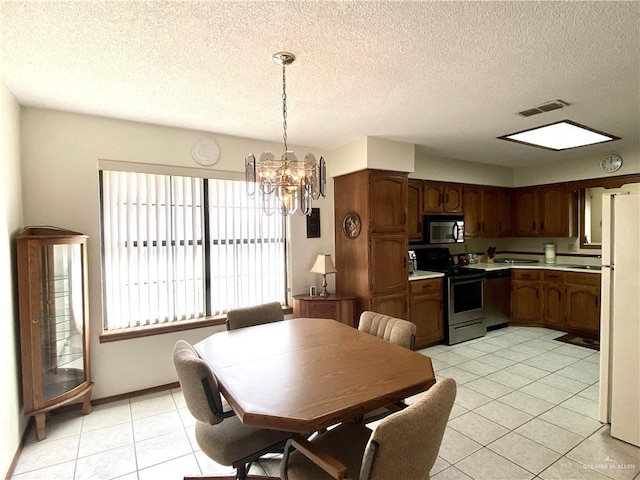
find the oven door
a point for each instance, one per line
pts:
(465, 299)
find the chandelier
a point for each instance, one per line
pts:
(285, 184)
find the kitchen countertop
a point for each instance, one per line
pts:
(424, 275)
(538, 266)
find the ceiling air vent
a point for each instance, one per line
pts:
(545, 107)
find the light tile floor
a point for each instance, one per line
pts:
(526, 409)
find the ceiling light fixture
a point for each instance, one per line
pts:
(560, 135)
(286, 184)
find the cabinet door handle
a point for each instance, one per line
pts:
(499, 226)
(478, 226)
(446, 199)
(534, 225)
(542, 225)
(34, 320)
(483, 226)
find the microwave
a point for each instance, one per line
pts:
(443, 229)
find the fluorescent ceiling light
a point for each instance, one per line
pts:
(561, 135)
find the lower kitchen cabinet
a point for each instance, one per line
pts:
(337, 307)
(526, 298)
(554, 299)
(425, 307)
(583, 303)
(568, 301)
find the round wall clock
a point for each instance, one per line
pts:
(351, 225)
(206, 152)
(611, 163)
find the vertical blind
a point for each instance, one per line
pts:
(181, 248)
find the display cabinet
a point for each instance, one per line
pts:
(54, 325)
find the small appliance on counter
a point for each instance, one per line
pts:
(413, 263)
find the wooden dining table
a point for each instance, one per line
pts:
(306, 374)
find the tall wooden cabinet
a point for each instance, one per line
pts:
(374, 264)
(54, 325)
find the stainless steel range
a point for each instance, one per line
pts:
(463, 292)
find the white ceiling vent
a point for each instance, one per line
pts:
(545, 107)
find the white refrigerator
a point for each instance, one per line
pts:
(620, 317)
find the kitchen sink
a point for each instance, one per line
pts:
(583, 267)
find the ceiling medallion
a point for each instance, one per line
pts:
(286, 184)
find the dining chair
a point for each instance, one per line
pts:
(403, 445)
(256, 315)
(393, 330)
(220, 435)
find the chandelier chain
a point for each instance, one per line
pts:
(284, 108)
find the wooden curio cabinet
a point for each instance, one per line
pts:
(54, 325)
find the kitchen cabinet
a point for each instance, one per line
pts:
(414, 210)
(526, 298)
(337, 307)
(526, 212)
(373, 266)
(504, 212)
(583, 303)
(425, 310)
(385, 251)
(568, 301)
(480, 211)
(441, 197)
(54, 325)
(471, 196)
(388, 202)
(554, 299)
(546, 211)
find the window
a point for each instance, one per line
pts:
(181, 248)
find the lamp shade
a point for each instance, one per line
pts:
(323, 264)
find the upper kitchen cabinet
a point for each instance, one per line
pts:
(484, 215)
(442, 197)
(388, 202)
(504, 213)
(526, 212)
(472, 197)
(415, 208)
(546, 211)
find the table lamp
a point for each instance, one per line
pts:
(324, 265)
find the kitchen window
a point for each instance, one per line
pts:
(179, 249)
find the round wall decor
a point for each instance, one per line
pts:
(206, 152)
(611, 163)
(351, 225)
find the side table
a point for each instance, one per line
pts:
(338, 307)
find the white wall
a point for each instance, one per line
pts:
(11, 419)
(60, 152)
(451, 170)
(563, 171)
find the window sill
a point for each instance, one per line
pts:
(148, 331)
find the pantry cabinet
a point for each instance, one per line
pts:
(373, 265)
(54, 325)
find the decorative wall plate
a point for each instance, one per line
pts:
(351, 225)
(206, 152)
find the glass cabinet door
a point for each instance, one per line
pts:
(61, 322)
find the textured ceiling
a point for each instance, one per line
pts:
(447, 76)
